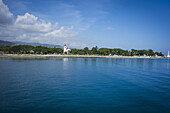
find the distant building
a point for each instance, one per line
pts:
(156, 55)
(66, 50)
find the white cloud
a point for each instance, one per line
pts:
(30, 23)
(36, 30)
(26, 19)
(29, 28)
(62, 33)
(21, 37)
(6, 17)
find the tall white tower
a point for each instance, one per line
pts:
(66, 50)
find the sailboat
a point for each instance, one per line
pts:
(168, 55)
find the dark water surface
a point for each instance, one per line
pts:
(84, 85)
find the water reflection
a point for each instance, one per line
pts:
(150, 64)
(24, 59)
(65, 59)
(65, 64)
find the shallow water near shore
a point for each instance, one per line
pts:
(84, 85)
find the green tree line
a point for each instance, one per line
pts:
(28, 49)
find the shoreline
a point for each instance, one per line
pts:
(73, 56)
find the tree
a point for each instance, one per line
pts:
(151, 52)
(59, 50)
(86, 50)
(134, 52)
(104, 51)
(94, 50)
(41, 50)
(27, 49)
(74, 51)
(160, 54)
(80, 52)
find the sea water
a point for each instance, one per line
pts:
(84, 85)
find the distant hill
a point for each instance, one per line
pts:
(37, 44)
(5, 43)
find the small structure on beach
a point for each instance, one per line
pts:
(156, 55)
(66, 50)
(32, 52)
(1, 52)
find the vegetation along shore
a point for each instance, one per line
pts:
(95, 52)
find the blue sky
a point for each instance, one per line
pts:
(139, 24)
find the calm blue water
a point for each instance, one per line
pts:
(84, 85)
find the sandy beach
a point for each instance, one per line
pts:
(73, 56)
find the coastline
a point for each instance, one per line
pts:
(73, 56)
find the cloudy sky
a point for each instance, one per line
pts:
(139, 24)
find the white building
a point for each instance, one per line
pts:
(66, 50)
